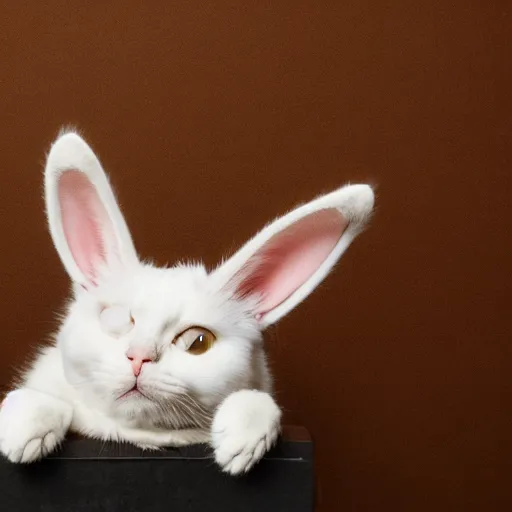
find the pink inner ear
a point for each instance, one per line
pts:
(84, 220)
(291, 257)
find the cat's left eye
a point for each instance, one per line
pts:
(196, 340)
(116, 320)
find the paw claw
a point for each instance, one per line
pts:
(260, 449)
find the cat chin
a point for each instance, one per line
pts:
(135, 413)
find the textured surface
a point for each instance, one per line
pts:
(93, 476)
(216, 117)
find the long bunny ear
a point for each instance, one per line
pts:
(287, 260)
(86, 224)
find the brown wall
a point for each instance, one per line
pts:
(216, 116)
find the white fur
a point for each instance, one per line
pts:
(246, 425)
(223, 396)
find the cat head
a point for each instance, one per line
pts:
(165, 345)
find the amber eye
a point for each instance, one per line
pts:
(196, 340)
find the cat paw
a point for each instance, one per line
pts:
(244, 428)
(32, 425)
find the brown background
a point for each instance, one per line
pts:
(216, 116)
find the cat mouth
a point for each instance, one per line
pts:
(134, 392)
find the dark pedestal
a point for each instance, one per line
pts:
(88, 475)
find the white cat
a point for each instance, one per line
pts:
(166, 356)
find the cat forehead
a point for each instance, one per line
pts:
(150, 286)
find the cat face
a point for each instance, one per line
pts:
(160, 343)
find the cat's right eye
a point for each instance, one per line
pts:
(196, 340)
(116, 320)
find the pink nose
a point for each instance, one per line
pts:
(137, 360)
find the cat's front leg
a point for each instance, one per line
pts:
(245, 426)
(32, 424)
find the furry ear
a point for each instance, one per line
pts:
(86, 224)
(287, 260)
